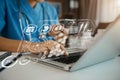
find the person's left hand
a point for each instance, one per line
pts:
(59, 33)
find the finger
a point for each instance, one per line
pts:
(57, 46)
(64, 50)
(62, 29)
(46, 53)
(65, 31)
(61, 34)
(51, 53)
(44, 56)
(62, 40)
(62, 53)
(54, 29)
(59, 52)
(55, 51)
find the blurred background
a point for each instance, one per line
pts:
(102, 12)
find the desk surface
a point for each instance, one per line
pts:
(109, 70)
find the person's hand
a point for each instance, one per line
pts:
(59, 33)
(48, 48)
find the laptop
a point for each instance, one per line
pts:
(106, 48)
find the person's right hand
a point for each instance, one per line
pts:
(49, 48)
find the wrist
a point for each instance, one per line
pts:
(33, 47)
(19, 48)
(23, 46)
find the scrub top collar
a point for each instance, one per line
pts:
(28, 8)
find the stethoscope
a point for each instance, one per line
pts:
(43, 31)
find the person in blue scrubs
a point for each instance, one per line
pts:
(22, 23)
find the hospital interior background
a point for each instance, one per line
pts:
(102, 12)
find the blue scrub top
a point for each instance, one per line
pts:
(10, 24)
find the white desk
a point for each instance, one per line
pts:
(109, 70)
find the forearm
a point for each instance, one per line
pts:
(8, 44)
(20, 46)
(33, 47)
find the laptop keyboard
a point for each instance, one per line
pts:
(74, 55)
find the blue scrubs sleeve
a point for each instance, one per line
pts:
(2, 15)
